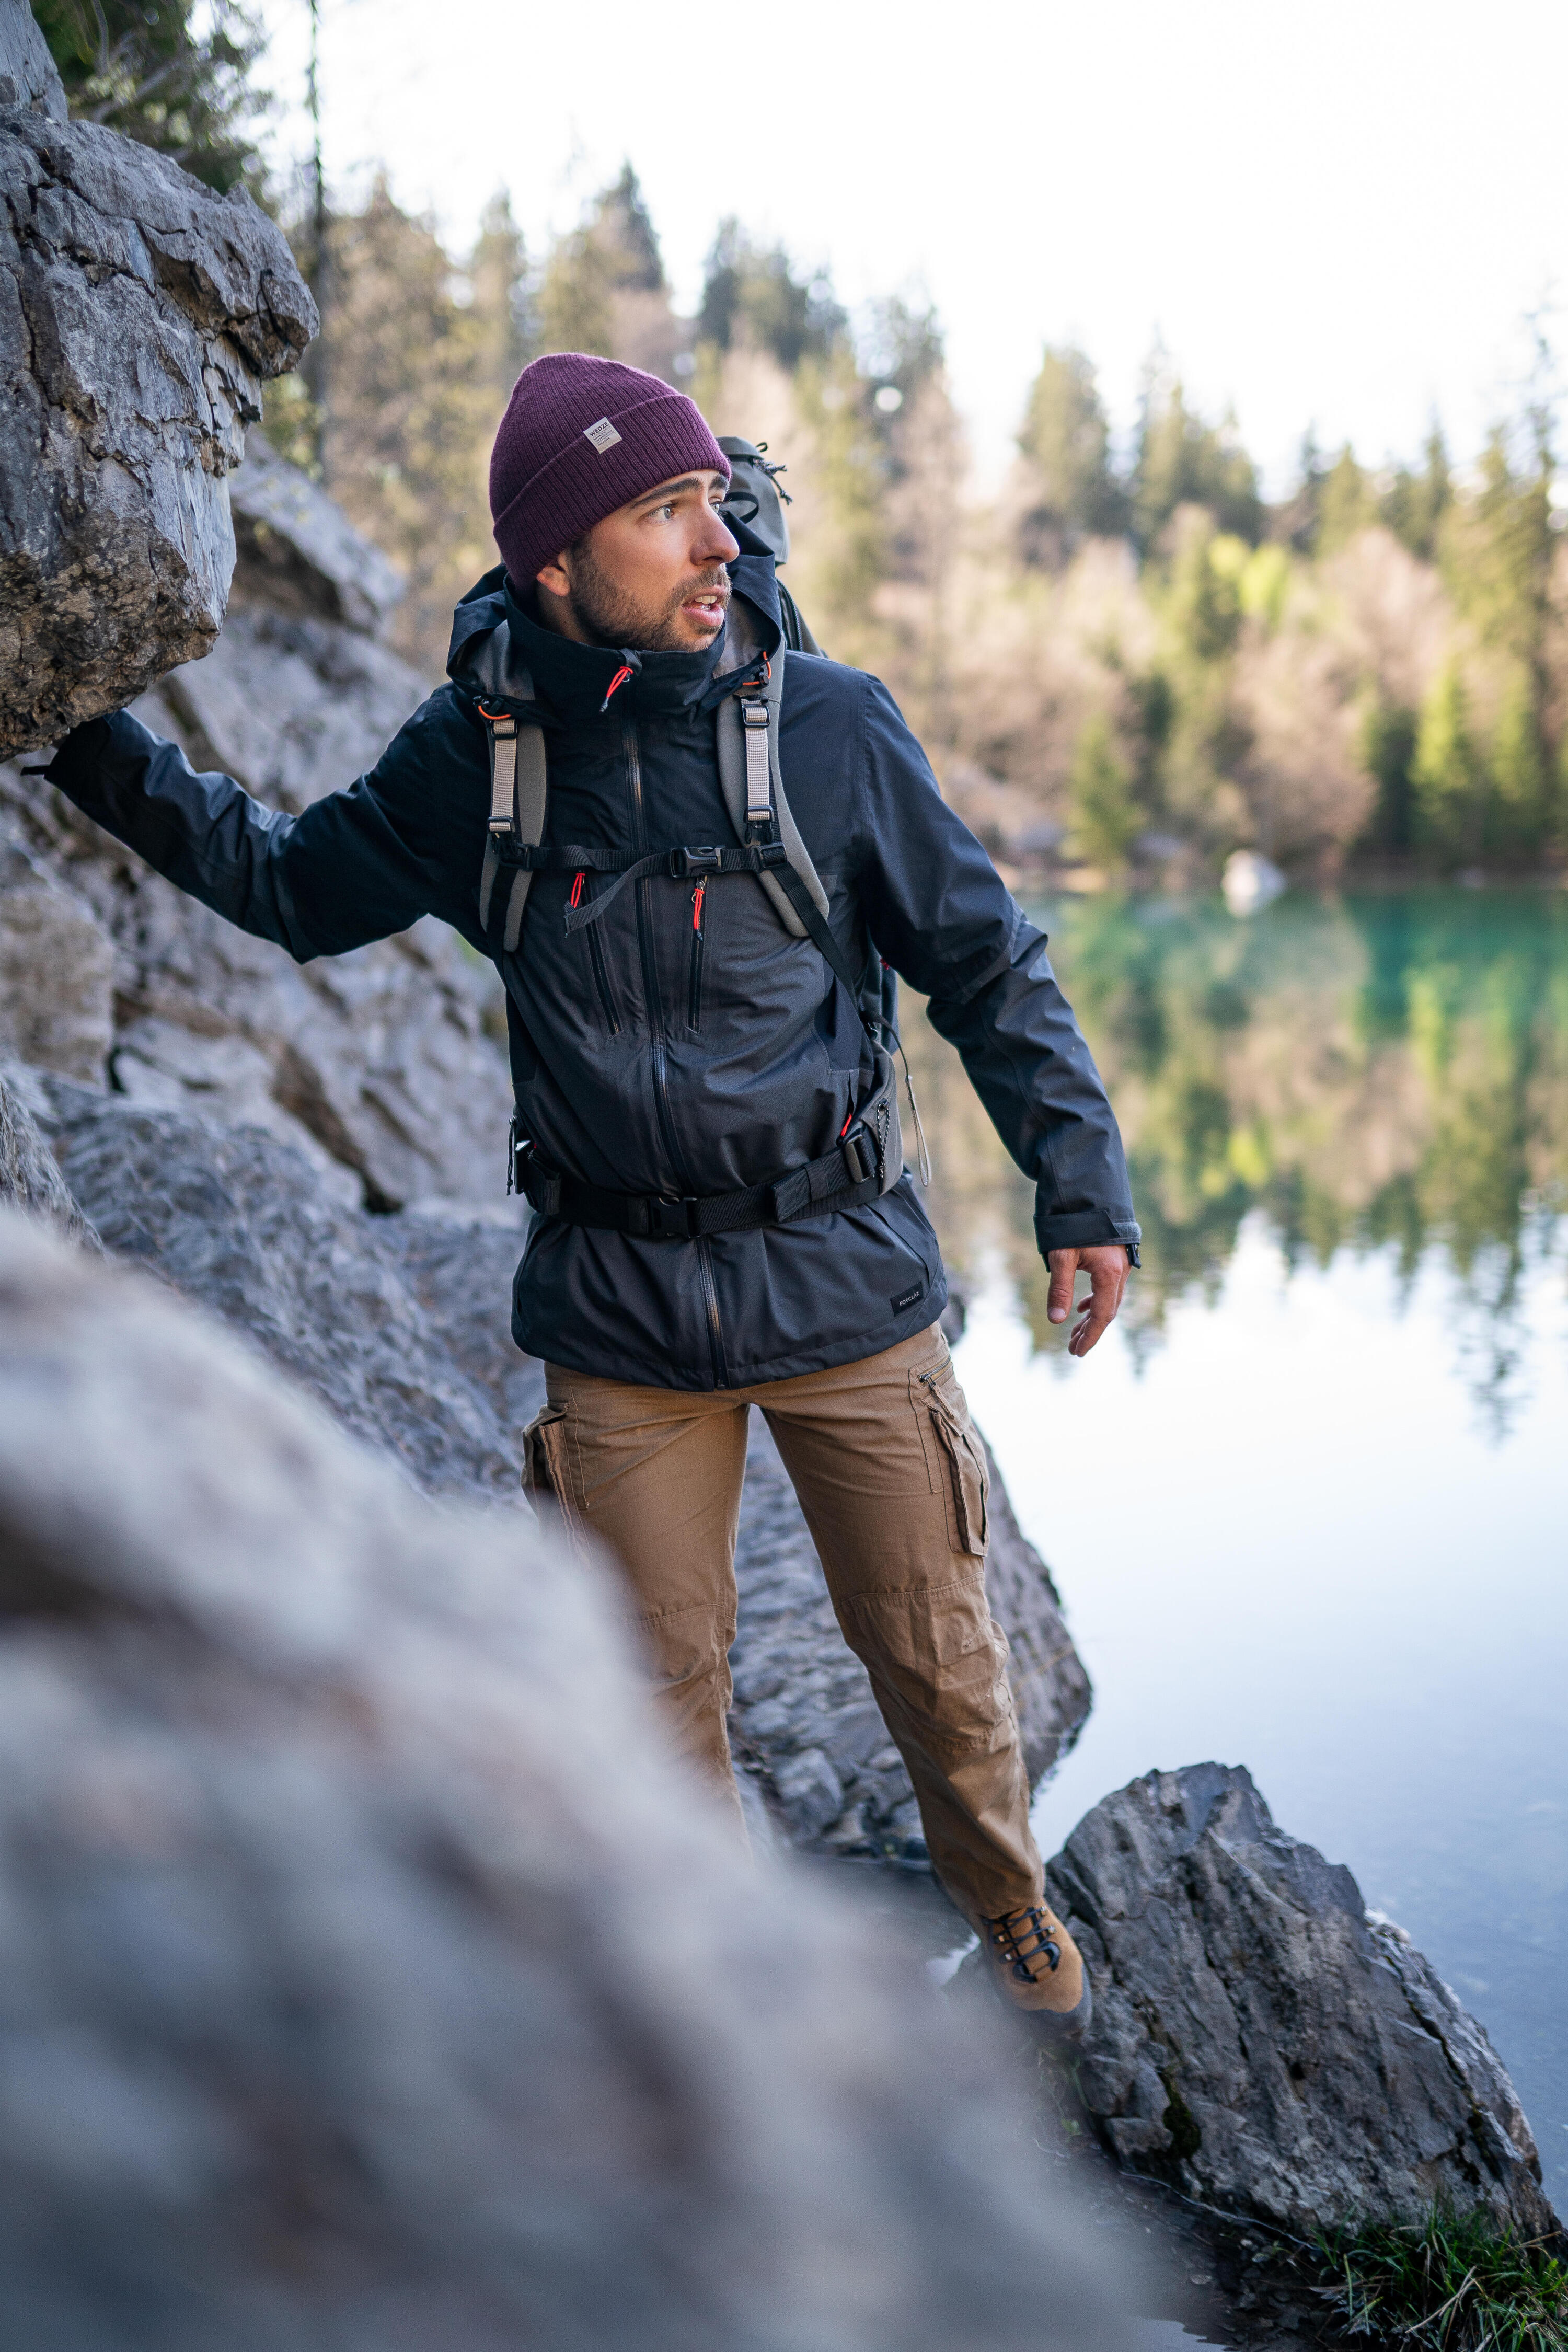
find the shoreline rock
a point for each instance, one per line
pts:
(1259, 2042)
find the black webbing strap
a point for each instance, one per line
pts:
(720, 858)
(844, 1178)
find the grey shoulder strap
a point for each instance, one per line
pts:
(518, 781)
(754, 788)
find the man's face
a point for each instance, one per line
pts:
(650, 576)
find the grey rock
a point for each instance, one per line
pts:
(385, 1065)
(804, 1722)
(140, 314)
(299, 553)
(56, 970)
(28, 79)
(238, 1222)
(1262, 2044)
(292, 706)
(354, 1992)
(29, 1178)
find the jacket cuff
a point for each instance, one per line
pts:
(1086, 1228)
(80, 753)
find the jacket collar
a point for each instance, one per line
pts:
(574, 679)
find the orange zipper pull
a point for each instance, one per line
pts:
(697, 906)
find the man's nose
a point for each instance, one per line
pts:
(713, 543)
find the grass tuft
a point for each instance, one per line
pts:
(1448, 2283)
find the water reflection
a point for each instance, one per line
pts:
(1382, 1073)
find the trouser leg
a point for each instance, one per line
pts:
(891, 1479)
(654, 1475)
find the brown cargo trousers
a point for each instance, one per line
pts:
(891, 1477)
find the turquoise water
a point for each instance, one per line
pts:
(1306, 1506)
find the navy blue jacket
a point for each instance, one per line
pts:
(649, 1056)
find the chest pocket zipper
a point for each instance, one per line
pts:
(608, 1004)
(694, 986)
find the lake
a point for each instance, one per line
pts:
(1307, 1504)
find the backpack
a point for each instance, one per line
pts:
(756, 500)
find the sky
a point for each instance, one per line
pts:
(1336, 215)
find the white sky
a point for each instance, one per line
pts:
(1333, 213)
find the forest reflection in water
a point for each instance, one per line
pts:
(1382, 1072)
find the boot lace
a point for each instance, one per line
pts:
(1020, 1944)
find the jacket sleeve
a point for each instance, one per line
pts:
(356, 867)
(939, 912)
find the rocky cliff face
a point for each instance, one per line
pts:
(384, 1068)
(369, 1977)
(1261, 2042)
(140, 315)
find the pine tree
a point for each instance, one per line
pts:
(1182, 461)
(1346, 505)
(174, 75)
(603, 287)
(751, 293)
(1446, 774)
(1065, 440)
(1106, 819)
(1414, 505)
(415, 397)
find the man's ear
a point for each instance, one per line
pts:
(554, 576)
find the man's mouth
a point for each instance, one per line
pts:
(706, 608)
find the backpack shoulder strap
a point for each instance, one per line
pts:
(520, 784)
(754, 788)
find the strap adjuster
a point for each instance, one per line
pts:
(753, 714)
(672, 1220)
(683, 863)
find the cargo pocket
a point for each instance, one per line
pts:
(969, 1485)
(544, 1473)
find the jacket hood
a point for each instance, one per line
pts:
(574, 679)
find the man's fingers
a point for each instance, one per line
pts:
(1058, 1303)
(1107, 1281)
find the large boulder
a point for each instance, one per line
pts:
(385, 1067)
(368, 1977)
(1262, 2041)
(56, 970)
(30, 1179)
(140, 314)
(354, 1307)
(29, 79)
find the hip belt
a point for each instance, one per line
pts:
(850, 1176)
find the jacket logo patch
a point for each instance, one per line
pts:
(908, 1297)
(602, 435)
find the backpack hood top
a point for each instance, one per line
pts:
(581, 436)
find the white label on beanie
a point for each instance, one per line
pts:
(602, 435)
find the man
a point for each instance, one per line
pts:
(702, 1096)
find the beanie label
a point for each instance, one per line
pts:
(602, 435)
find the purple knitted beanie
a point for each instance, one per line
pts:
(581, 436)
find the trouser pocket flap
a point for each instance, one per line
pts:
(966, 1473)
(544, 1470)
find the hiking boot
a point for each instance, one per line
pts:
(1039, 1972)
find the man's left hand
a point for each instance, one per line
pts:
(1106, 1267)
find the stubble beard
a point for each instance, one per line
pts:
(613, 618)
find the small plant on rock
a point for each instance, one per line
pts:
(1452, 2282)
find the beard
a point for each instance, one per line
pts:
(611, 617)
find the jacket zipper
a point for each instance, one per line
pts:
(602, 980)
(660, 1060)
(694, 991)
